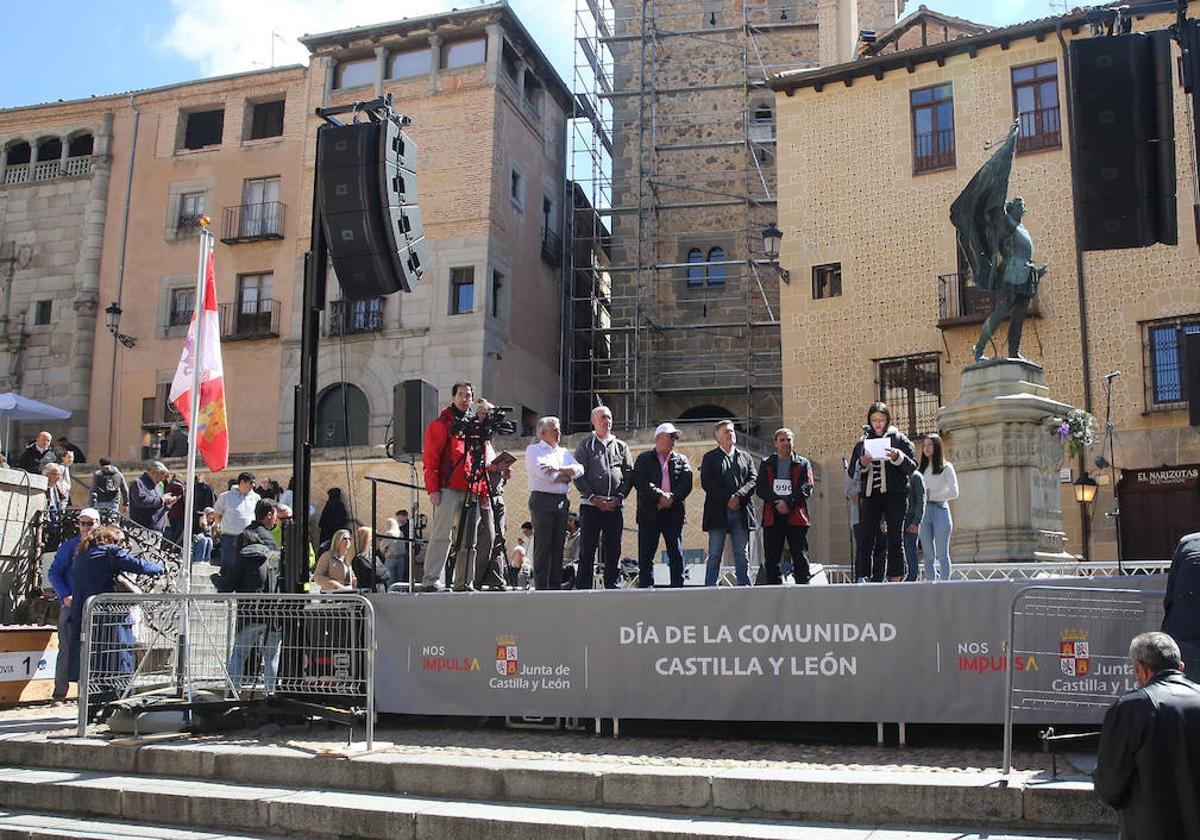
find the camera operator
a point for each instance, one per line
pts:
(446, 464)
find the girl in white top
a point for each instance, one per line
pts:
(941, 488)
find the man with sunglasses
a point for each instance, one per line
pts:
(60, 579)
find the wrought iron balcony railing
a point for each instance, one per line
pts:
(1040, 129)
(934, 150)
(552, 248)
(960, 302)
(349, 317)
(249, 319)
(252, 222)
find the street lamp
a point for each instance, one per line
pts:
(112, 317)
(771, 237)
(1085, 489)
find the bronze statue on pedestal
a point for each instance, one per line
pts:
(997, 246)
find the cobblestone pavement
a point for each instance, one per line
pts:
(438, 738)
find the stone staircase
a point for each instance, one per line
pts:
(188, 790)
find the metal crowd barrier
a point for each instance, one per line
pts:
(839, 573)
(228, 647)
(1088, 630)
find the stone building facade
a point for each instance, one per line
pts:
(880, 306)
(55, 166)
(694, 303)
(489, 116)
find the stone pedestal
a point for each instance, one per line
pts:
(998, 437)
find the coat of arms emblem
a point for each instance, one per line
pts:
(1073, 653)
(506, 655)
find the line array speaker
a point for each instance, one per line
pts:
(414, 406)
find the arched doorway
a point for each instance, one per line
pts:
(701, 414)
(342, 416)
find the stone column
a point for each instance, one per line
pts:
(330, 70)
(63, 155)
(999, 438)
(435, 61)
(495, 47)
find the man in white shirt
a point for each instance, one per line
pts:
(234, 511)
(551, 470)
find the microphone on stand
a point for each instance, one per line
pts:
(1110, 377)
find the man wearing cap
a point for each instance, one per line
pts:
(551, 469)
(60, 579)
(663, 478)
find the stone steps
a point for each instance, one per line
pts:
(32, 796)
(18, 825)
(812, 795)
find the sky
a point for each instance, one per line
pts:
(97, 47)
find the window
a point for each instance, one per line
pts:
(1165, 360)
(81, 145)
(42, 309)
(932, 127)
(1035, 102)
(254, 307)
(347, 317)
(911, 386)
(49, 149)
(183, 303)
(464, 52)
(516, 188)
(695, 271)
(462, 290)
(204, 128)
(157, 411)
(408, 63)
(827, 281)
(510, 61)
(716, 273)
(266, 120)
(191, 208)
(350, 74)
(533, 92)
(701, 271)
(497, 294)
(260, 208)
(19, 154)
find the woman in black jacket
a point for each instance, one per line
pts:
(884, 493)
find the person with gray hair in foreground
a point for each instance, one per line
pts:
(1149, 762)
(551, 469)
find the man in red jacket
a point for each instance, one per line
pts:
(785, 481)
(446, 464)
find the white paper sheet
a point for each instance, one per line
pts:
(875, 447)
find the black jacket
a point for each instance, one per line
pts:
(719, 488)
(1181, 605)
(1149, 762)
(371, 572)
(896, 474)
(250, 571)
(647, 475)
(32, 461)
(801, 478)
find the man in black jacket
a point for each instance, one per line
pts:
(1149, 762)
(606, 481)
(38, 454)
(1181, 606)
(728, 477)
(663, 479)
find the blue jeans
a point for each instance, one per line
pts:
(935, 539)
(735, 527)
(228, 549)
(202, 549)
(249, 637)
(910, 555)
(648, 535)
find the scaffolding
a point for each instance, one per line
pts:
(674, 306)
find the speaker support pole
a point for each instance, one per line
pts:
(316, 273)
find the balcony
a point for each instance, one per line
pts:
(933, 150)
(1041, 129)
(960, 302)
(252, 222)
(352, 317)
(552, 248)
(249, 319)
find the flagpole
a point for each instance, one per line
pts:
(189, 508)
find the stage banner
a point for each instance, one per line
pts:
(917, 653)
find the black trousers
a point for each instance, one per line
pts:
(648, 536)
(797, 541)
(887, 507)
(603, 529)
(548, 511)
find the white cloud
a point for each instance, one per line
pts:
(229, 36)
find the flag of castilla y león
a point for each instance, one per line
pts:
(211, 427)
